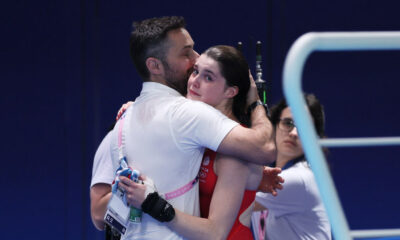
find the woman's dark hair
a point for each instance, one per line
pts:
(149, 39)
(235, 70)
(314, 106)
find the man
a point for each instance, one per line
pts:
(168, 133)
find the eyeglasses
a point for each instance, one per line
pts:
(286, 124)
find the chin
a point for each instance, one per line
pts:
(190, 96)
(292, 154)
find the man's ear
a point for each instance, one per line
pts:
(154, 66)
(230, 92)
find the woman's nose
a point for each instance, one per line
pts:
(294, 132)
(194, 79)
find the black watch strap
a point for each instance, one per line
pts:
(254, 105)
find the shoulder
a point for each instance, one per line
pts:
(296, 176)
(188, 113)
(302, 170)
(103, 151)
(186, 107)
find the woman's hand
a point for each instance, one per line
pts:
(271, 181)
(123, 109)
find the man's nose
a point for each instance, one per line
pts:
(194, 56)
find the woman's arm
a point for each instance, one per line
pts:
(224, 207)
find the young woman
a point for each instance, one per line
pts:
(227, 186)
(297, 212)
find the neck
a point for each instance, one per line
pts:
(282, 160)
(159, 79)
(226, 109)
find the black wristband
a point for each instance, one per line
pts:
(158, 208)
(254, 105)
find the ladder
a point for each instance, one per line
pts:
(292, 72)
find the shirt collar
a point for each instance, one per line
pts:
(154, 86)
(293, 162)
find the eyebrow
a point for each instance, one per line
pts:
(191, 46)
(210, 72)
(196, 66)
(288, 119)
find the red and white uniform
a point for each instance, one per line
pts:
(207, 182)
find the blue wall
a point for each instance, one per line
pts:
(65, 71)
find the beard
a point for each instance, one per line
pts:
(176, 80)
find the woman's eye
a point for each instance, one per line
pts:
(288, 122)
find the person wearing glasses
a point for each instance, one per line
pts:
(297, 212)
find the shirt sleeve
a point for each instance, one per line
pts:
(102, 171)
(196, 124)
(291, 199)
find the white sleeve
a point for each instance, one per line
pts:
(196, 124)
(291, 199)
(102, 171)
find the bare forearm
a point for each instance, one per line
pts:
(196, 228)
(263, 135)
(253, 144)
(224, 206)
(98, 206)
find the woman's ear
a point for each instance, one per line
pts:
(230, 92)
(154, 66)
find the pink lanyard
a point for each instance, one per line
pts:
(262, 224)
(180, 191)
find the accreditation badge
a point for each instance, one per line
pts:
(117, 215)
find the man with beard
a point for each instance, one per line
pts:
(165, 134)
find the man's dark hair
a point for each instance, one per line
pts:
(149, 39)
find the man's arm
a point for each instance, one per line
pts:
(100, 195)
(255, 144)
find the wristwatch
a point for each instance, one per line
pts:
(254, 105)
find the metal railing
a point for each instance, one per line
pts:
(293, 68)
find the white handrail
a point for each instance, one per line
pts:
(293, 68)
(359, 142)
(372, 233)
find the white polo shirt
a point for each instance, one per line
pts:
(165, 135)
(297, 212)
(102, 171)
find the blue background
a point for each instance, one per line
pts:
(66, 70)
